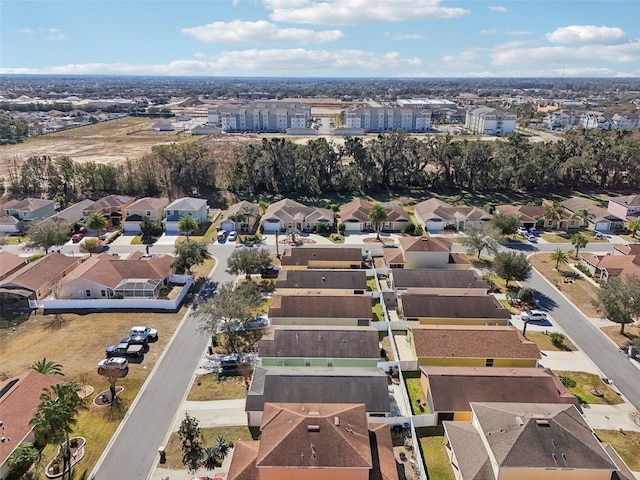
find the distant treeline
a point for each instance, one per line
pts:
(583, 160)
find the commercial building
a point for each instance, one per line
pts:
(268, 116)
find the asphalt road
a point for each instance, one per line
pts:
(134, 450)
(611, 360)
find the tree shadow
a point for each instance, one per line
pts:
(544, 302)
(55, 322)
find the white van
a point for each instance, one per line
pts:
(222, 235)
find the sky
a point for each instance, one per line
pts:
(322, 38)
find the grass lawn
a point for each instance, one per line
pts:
(208, 387)
(626, 444)
(209, 435)
(580, 292)
(544, 342)
(631, 332)
(386, 344)
(566, 237)
(585, 383)
(14, 239)
(378, 316)
(414, 387)
(434, 453)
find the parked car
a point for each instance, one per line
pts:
(136, 341)
(150, 334)
(232, 236)
(113, 366)
(531, 237)
(270, 272)
(522, 231)
(533, 316)
(222, 235)
(77, 237)
(125, 350)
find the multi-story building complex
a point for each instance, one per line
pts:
(432, 103)
(260, 116)
(384, 119)
(490, 121)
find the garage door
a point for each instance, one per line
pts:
(352, 227)
(435, 226)
(271, 227)
(131, 227)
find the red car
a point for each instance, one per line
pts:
(77, 237)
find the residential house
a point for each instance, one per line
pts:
(354, 310)
(19, 400)
(490, 121)
(15, 213)
(74, 213)
(596, 120)
(452, 310)
(316, 441)
(601, 219)
(112, 207)
(105, 276)
(451, 390)
(546, 441)
(241, 217)
(317, 385)
(626, 249)
(321, 282)
(422, 252)
(471, 346)
(626, 207)
(530, 215)
(320, 346)
(434, 216)
(431, 281)
(625, 122)
(311, 258)
(355, 217)
(10, 263)
(605, 266)
(288, 214)
(196, 208)
(147, 208)
(384, 119)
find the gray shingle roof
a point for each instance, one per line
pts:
(435, 278)
(435, 306)
(321, 306)
(323, 279)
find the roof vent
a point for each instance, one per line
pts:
(314, 413)
(313, 428)
(336, 421)
(542, 423)
(519, 421)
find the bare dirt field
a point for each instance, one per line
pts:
(108, 142)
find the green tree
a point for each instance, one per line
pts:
(579, 241)
(90, 246)
(190, 442)
(96, 221)
(150, 230)
(633, 226)
(511, 266)
(507, 223)
(23, 457)
(46, 234)
(559, 256)
(229, 310)
(618, 300)
(553, 212)
(584, 215)
(55, 418)
(248, 261)
(292, 233)
(47, 367)
(377, 215)
(187, 224)
(482, 237)
(189, 254)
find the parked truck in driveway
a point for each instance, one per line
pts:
(125, 350)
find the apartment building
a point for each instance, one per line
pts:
(264, 116)
(384, 119)
(490, 121)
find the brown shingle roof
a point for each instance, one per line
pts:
(323, 279)
(357, 209)
(320, 342)
(110, 201)
(39, 273)
(18, 404)
(528, 213)
(149, 203)
(450, 306)
(290, 211)
(241, 207)
(452, 389)
(471, 454)
(243, 462)
(9, 262)
(460, 341)
(435, 208)
(28, 204)
(384, 462)
(425, 244)
(302, 256)
(286, 439)
(321, 306)
(436, 278)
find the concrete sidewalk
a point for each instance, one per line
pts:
(610, 417)
(215, 413)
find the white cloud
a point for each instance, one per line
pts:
(463, 58)
(404, 36)
(488, 31)
(587, 34)
(515, 33)
(358, 12)
(267, 62)
(567, 56)
(494, 8)
(239, 32)
(235, 3)
(55, 34)
(27, 31)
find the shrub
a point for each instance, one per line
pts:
(341, 227)
(525, 295)
(568, 382)
(583, 269)
(558, 339)
(322, 228)
(493, 286)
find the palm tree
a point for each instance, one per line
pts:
(96, 221)
(633, 226)
(292, 233)
(55, 418)
(553, 212)
(559, 256)
(47, 367)
(579, 241)
(584, 215)
(221, 448)
(377, 215)
(187, 224)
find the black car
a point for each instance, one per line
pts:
(270, 272)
